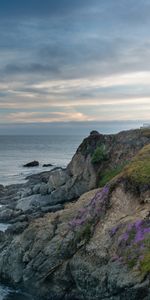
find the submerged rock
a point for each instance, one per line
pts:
(31, 164)
(47, 165)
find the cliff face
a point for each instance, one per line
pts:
(98, 246)
(113, 151)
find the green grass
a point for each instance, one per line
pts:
(110, 174)
(138, 171)
(84, 233)
(145, 263)
(100, 154)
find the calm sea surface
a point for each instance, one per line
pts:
(15, 151)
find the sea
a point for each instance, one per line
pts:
(16, 151)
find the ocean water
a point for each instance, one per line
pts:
(15, 151)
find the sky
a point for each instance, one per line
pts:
(74, 61)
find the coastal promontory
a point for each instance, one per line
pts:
(82, 232)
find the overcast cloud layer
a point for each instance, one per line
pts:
(74, 60)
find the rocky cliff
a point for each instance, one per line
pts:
(96, 247)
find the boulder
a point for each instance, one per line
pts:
(58, 178)
(28, 203)
(44, 189)
(36, 188)
(33, 203)
(25, 192)
(31, 164)
(38, 178)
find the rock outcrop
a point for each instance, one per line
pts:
(94, 248)
(96, 155)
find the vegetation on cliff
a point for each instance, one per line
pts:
(90, 214)
(138, 171)
(109, 174)
(100, 154)
(133, 245)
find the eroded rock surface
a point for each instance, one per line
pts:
(80, 251)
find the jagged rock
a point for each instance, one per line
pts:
(25, 192)
(28, 203)
(7, 214)
(17, 228)
(50, 189)
(39, 178)
(36, 188)
(44, 189)
(81, 167)
(58, 178)
(33, 203)
(20, 218)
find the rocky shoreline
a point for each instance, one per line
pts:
(67, 238)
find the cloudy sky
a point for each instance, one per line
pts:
(74, 60)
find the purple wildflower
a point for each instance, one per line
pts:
(92, 210)
(146, 230)
(125, 236)
(139, 236)
(138, 224)
(113, 230)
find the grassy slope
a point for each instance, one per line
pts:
(138, 171)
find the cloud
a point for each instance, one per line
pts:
(33, 68)
(34, 117)
(39, 8)
(123, 11)
(81, 59)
